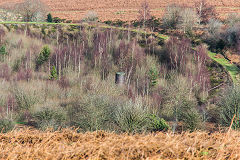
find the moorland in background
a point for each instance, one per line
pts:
(123, 9)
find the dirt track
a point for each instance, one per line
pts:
(123, 9)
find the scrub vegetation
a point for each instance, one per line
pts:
(178, 96)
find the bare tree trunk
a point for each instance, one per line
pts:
(60, 70)
(57, 35)
(79, 66)
(75, 60)
(200, 12)
(128, 35)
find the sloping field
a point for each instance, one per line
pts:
(123, 9)
(26, 144)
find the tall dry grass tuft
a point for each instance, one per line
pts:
(5, 72)
(24, 74)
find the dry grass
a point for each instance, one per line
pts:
(122, 9)
(32, 144)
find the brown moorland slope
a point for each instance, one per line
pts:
(123, 9)
(31, 144)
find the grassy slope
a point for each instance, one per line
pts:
(85, 24)
(232, 69)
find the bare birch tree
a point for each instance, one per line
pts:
(32, 10)
(144, 12)
(188, 19)
(205, 11)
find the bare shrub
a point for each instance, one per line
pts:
(101, 112)
(180, 17)
(231, 35)
(202, 76)
(205, 11)
(91, 16)
(64, 83)
(128, 56)
(180, 103)
(215, 36)
(224, 38)
(24, 74)
(177, 53)
(68, 56)
(24, 102)
(214, 26)
(131, 117)
(93, 113)
(232, 19)
(5, 72)
(171, 17)
(49, 118)
(2, 34)
(188, 19)
(102, 57)
(32, 10)
(230, 107)
(144, 13)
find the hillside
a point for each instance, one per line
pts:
(93, 91)
(122, 9)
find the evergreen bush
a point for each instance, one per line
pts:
(49, 18)
(53, 74)
(43, 56)
(156, 123)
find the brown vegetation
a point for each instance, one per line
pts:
(67, 144)
(122, 9)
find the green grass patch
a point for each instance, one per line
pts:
(120, 12)
(101, 26)
(159, 9)
(23, 123)
(13, 22)
(232, 69)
